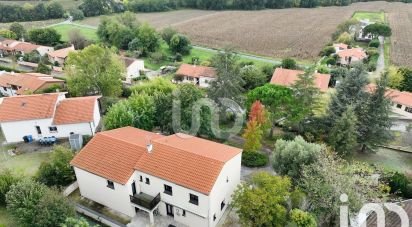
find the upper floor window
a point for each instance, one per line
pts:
(399, 106)
(222, 205)
(110, 184)
(194, 199)
(147, 180)
(408, 109)
(141, 178)
(214, 217)
(168, 190)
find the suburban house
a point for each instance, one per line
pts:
(401, 100)
(60, 55)
(47, 115)
(360, 35)
(9, 46)
(287, 77)
(133, 68)
(12, 84)
(198, 75)
(351, 55)
(340, 46)
(188, 179)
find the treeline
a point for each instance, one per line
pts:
(164, 5)
(27, 12)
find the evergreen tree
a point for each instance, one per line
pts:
(374, 122)
(228, 83)
(343, 137)
(306, 93)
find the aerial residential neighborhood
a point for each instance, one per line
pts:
(181, 113)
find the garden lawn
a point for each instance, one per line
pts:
(389, 159)
(5, 218)
(378, 17)
(26, 164)
(64, 30)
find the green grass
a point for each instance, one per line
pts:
(67, 4)
(25, 164)
(389, 159)
(371, 16)
(64, 30)
(6, 219)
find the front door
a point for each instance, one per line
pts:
(169, 210)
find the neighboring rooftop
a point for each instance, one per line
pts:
(354, 52)
(27, 82)
(46, 106)
(61, 53)
(400, 97)
(188, 161)
(196, 71)
(75, 110)
(129, 61)
(341, 46)
(287, 77)
(27, 107)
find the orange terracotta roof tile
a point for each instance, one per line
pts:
(400, 97)
(341, 46)
(188, 161)
(110, 156)
(27, 82)
(28, 107)
(287, 77)
(26, 47)
(354, 52)
(196, 71)
(62, 53)
(75, 110)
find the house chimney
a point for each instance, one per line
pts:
(149, 148)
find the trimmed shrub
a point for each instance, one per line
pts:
(374, 43)
(254, 159)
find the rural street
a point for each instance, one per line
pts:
(380, 66)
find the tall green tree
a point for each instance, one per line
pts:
(374, 122)
(252, 76)
(306, 93)
(253, 136)
(406, 84)
(378, 29)
(44, 36)
(148, 39)
(262, 201)
(7, 179)
(18, 29)
(278, 100)
(94, 70)
(228, 83)
(343, 135)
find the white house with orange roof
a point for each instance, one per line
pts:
(287, 77)
(196, 74)
(132, 171)
(47, 115)
(347, 55)
(60, 55)
(10, 46)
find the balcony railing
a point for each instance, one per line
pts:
(144, 200)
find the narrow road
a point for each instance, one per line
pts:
(380, 66)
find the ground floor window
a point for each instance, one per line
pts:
(53, 129)
(408, 109)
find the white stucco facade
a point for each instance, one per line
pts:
(133, 70)
(14, 131)
(202, 82)
(207, 213)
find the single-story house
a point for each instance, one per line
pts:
(9, 46)
(133, 68)
(196, 74)
(184, 178)
(340, 46)
(60, 55)
(349, 56)
(12, 84)
(287, 77)
(401, 100)
(47, 115)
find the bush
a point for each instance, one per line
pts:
(408, 191)
(372, 66)
(330, 61)
(7, 179)
(328, 51)
(374, 43)
(254, 159)
(77, 14)
(289, 63)
(57, 172)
